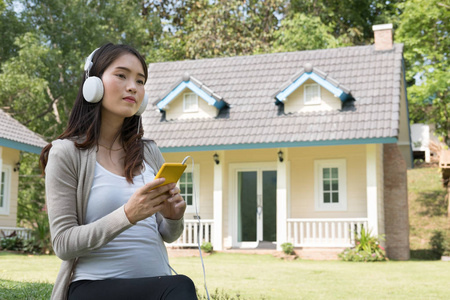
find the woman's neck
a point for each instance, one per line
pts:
(110, 132)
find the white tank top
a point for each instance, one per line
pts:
(138, 251)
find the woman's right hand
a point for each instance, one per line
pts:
(147, 200)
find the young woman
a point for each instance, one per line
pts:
(107, 223)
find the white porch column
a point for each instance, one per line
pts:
(217, 200)
(282, 199)
(372, 190)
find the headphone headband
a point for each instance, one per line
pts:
(88, 64)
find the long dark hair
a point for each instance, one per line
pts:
(85, 119)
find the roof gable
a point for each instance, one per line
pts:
(195, 86)
(315, 74)
(17, 136)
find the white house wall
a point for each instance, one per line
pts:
(9, 157)
(302, 181)
(295, 103)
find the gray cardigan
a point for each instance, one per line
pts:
(68, 180)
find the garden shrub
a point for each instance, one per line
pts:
(207, 247)
(367, 248)
(12, 243)
(440, 244)
(288, 248)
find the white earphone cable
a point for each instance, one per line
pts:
(195, 199)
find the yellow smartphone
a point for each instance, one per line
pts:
(171, 172)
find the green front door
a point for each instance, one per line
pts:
(257, 205)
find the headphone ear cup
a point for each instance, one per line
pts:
(93, 89)
(143, 105)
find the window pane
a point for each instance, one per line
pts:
(188, 200)
(183, 177)
(189, 176)
(326, 185)
(335, 197)
(326, 173)
(334, 173)
(190, 102)
(326, 197)
(189, 188)
(335, 186)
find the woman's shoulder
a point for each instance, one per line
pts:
(65, 148)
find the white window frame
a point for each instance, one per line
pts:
(196, 187)
(311, 101)
(341, 165)
(7, 170)
(194, 107)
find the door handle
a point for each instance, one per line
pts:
(260, 205)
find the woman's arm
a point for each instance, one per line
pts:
(69, 238)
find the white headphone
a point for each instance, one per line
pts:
(93, 86)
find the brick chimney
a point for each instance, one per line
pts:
(383, 36)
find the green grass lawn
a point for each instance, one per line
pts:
(260, 277)
(427, 208)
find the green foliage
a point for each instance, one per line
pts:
(207, 247)
(12, 243)
(228, 28)
(425, 29)
(367, 248)
(303, 32)
(288, 248)
(440, 243)
(350, 21)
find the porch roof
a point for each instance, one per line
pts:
(251, 119)
(17, 136)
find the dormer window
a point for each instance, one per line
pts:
(312, 94)
(190, 102)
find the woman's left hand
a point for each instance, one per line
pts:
(175, 206)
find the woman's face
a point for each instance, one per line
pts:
(123, 82)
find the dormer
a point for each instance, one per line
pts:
(311, 89)
(189, 98)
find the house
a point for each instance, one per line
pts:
(304, 147)
(14, 137)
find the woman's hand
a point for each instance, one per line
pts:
(150, 199)
(175, 206)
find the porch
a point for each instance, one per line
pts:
(23, 233)
(302, 233)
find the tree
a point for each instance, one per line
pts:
(301, 32)
(228, 28)
(10, 27)
(42, 67)
(425, 31)
(351, 21)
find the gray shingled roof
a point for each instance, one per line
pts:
(248, 83)
(13, 131)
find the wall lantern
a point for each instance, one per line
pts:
(280, 156)
(216, 158)
(17, 166)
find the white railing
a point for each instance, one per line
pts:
(23, 233)
(324, 232)
(192, 229)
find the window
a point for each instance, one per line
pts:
(330, 185)
(186, 185)
(5, 181)
(312, 94)
(190, 102)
